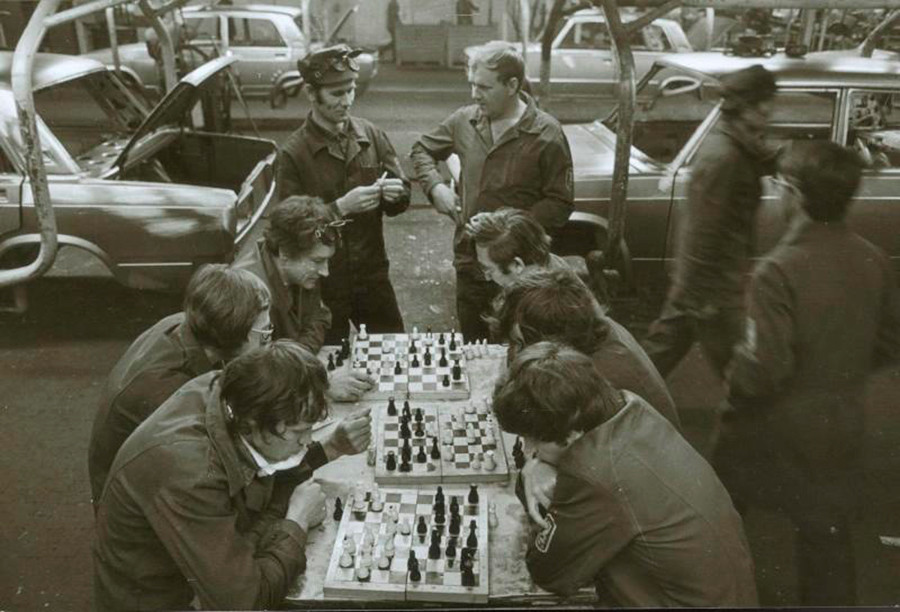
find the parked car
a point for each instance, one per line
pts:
(148, 192)
(267, 39)
(583, 70)
(849, 100)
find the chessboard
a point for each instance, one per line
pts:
(371, 557)
(413, 366)
(446, 444)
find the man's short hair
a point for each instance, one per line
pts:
(508, 233)
(827, 175)
(278, 383)
(221, 304)
(747, 87)
(295, 222)
(501, 57)
(552, 390)
(551, 304)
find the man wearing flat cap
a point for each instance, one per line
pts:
(351, 164)
(705, 301)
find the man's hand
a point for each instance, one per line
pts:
(348, 385)
(351, 436)
(446, 202)
(476, 219)
(392, 189)
(539, 480)
(360, 199)
(307, 505)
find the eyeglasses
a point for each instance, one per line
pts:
(265, 334)
(330, 233)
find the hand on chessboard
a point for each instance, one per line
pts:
(351, 436)
(307, 505)
(348, 385)
(539, 480)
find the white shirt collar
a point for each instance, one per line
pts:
(266, 468)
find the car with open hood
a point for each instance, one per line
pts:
(849, 100)
(151, 193)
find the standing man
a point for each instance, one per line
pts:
(226, 313)
(824, 312)
(301, 235)
(393, 20)
(705, 302)
(512, 154)
(351, 164)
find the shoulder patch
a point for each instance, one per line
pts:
(543, 539)
(570, 180)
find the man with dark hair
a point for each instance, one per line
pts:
(637, 511)
(351, 164)
(546, 304)
(301, 236)
(705, 301)
(509, 241)
(226, 313)
(512, 154)
(823, 313)
(211, 499)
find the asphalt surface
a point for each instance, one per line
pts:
(54, 360)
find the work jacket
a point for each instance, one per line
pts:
(156, 365)
(529, 167)
(316, 162)
(824, 311)
(638, 512)
(185, 513)
(296, 313)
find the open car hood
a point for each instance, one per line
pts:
(175, 107)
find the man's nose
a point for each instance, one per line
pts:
(323, 270)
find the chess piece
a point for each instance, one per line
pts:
(405, 465)
(419, 415)
(363, 574)
(439, 516)
(377, 504)
(397, 369)
(435, 451)
(345, 348)
(472, 540)
(454, 506)
(441, 339)
(412, 565)
(405, 528)
(492, 515)
(434, 551)
(407, 412)
(427, 357)
(470, 408)
(384, 563)
(468, 576)
(452, 342)
(338, 509)
(391, 463)
(392, 407)
(405, 433)
(439, 494)
(476, 462)
(415, 362)
(457, 370)
(370, 455)
(448, 453)
(445, 382)
(442, 362)
(421, 527)
(453, 529)
(363, 334)
(419, 430)
(490, 464)
(519, 458)
(473, 494)
(346, 560)
(415, 332)
(330, 363)
(421, 457)
(412, 348)
(338, 360)
(389, 548)
(450, 553)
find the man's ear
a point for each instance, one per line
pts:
(512, 86)
(516, 266)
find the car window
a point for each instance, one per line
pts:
(649, 38)
(586, 35)
(801, 115)
(874, 127)
(253, 33)
(201, 28)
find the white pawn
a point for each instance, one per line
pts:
(490, 464)
(469, 352)
(470, 408)
(346, 560)
(363, 334)
(448, 453)
(476, 462)
(405, 528)
(492, 515)
(415, 333)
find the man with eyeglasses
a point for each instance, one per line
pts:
(226, 313)
(302, 234)
(209, 503)
(351, 164)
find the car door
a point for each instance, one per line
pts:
(261, 49)
(11, 179)
(582, 61)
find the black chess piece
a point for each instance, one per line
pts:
(457, 370)
(338, 361)
(406, 450)
(452, 342)
(519, 459)
(338, 509)
(453, 529)
(454, 506)
(468, 575)
(406, 410)
(420, 430)
(441, 339)
(415, 574)
(439, 516)
(472, 540)
(421, 528)
(420, 416)
(428, 331)
(412, 347)
(439, 495)
(415, 362)
(330, 362)
(435, 452)
(442, 362)
(405, 466)
(473, 494)
(450, 553)
(397, 369)
(421, 457)
(412, 562)
(405, 432)
(392, 407)
(391, 461)
(517, 445)
(445, 382)
(427, 357)
(345, 348)
(434, 551)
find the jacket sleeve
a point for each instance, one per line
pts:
(387, 156)
(558, 183)
(764, 359)
(287, 176)
(437, 145)
(315, 320)
(587, 529)
(887, 347)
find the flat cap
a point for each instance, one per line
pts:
(747, 87)
(330, 66)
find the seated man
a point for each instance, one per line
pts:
(226, 313)
(203, 499)
(301, 236)
(637, 511)
(544, 304)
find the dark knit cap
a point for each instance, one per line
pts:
(330, 66)
(747, 87)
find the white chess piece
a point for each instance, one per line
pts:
(490, 464)
(448, 453)
(415, 333)
(492, 515)
(363, 334)
(476, 462)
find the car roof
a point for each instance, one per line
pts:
(291, 11)
(593, 15)
(816, 71)
(49, 68)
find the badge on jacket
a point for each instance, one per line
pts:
(545, 537)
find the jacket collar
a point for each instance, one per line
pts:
(238, 464)
(754, 144)
(529, 123)
(197, 361)
(319, 137)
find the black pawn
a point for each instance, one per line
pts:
(451, 551)
(421, 457)
(427, 357)
(392, 407)
(442, 362)
(472, 540)
(457, 370)
(439, 516)
(415, 362)
(439, 495)
(338, 361)
(441, 339)
(405, 432)
(454, 525)
(391, 461)
(412, 348)
(338, 509)
(468, 575)
(452, 342)
(345, 348)
(434, 551)
(412, 562)
(420, 430)
(421, 527)
(473, 494)
(406, 411)
(416, 575)
(445, 382)
(420, 416)
(405, 466)
(397, 369)
(406, 450)
(435, 451)
(330, 363)
(454, 506)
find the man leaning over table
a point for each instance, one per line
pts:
(210, 500)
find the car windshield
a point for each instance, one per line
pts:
(670, 106)
(89, 111)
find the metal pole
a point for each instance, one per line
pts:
(556, 14)
(524, 24)
(307, 26)
(165, 45)
(869, 43)
(22, 66)
(710, 26)
(823, 30)
(113, 40)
